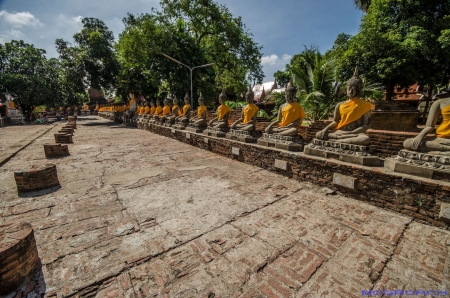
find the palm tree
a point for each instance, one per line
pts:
(362, 4)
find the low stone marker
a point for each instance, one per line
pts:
(281, 164)
(63, 138)
(188, 136)
(56, 150)
(18, 256)
(38, 178)
(206, 140)
(444, 214)
(346, 181)
(235, 151)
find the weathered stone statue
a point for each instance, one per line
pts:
(183, 120)
(345, 138)
(218, 126)
(351, 117)
(290, 118)
(244, 128)
(427, 155)
(165, 112)
(158, 111)
(169, 120)
(198, 123)
(130, 110)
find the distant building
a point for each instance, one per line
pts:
(263, 91)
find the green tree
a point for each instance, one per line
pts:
(223, 39)
(27, 75)
(362, 4)
(282, 77)
(91, 62)
(400, 42)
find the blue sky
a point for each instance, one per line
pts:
(281, 27)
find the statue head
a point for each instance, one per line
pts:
(175, 100)
(222, 97)
(166, 102)
(354, 85)
(249, 95)
(201, 100)
(186, 98)
(158, 102)
(131, 95)
(290, 92)
(152, 103)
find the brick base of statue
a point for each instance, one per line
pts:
(168, 123)
(95, 112)
(427, 165)
(351, 153)
(38, 178)
(56, 150)
(244, 136)
(289, 143)
(19, 258)
(216, 132)
(196, 128)
(63, 138)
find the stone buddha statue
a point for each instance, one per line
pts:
(290, 115)
(176, 112)
(158, 111)
(146, 109)
(184, 117)
(152, 109)
(440, 142)
(198, 122)
(247, 121)
(351, 117)
(223, 114)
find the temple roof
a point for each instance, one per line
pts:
(412, 93)
(267, 87)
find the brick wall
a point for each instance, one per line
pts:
(388, 143)
(35, 179)
(18, 256)
(55, 150)
(411, 196)
(394, 121)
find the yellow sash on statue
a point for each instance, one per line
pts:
(291, 113)
(85, 107)
(158, 110)
(166, 110)
(222, 111)
(249, 112)
(201, 109)
(353, 110)
(146, 110)
(173, 109)
(185, 109)
(97, 107)
(152, 110)
(443, 131)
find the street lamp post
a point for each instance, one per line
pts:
(190, 69)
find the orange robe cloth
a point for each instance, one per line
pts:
(173, 109)
(147, 110)
(166, 110)
(158, 110)
(353, 110)
(443, 130)
(185, 109)
(291, 113)
(249, 112)
(222, 111)
(152, 110)
(201, 109)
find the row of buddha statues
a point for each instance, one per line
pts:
(346, 134)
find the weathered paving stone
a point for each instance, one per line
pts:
(148, 216)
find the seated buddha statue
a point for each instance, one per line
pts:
(440, 142)
(290, 115)
(158, 110)
(223, 114)
(247, 121)
(170, 118)
(146, 109)
(152, 109)
(351, 117)
(184, 117)
(202, 112)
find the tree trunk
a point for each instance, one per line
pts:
(430, 93)
(390, 90)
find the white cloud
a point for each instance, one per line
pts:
(19, 19)
(8, 35)
(275, 60)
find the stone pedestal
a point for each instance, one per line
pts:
(180, 125)
(244, 136)
(55, 150)
(289, 143)
(18, 256)
(195, 128)
(36, 178)
(63, 138)
(427, 165)
(68, 131)
(215, 132)
(356, 154)
(95, 113)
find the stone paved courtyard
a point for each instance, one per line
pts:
(140, 215)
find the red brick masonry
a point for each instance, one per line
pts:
(42, 177)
